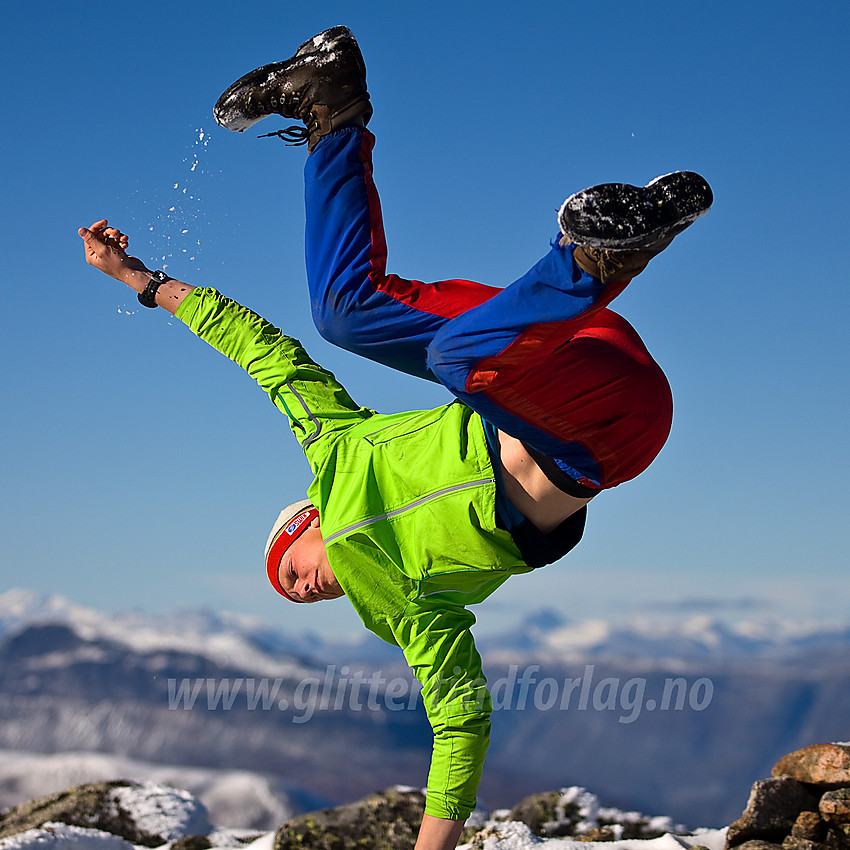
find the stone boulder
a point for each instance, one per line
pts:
(835, 806)
(388, 820)
(771, 812)
(809, 826)
(543, 815)
(826, 765)
(805, 805)
(143, 814)
(756, 844)
(576, 813)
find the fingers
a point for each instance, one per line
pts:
(90, 239)
(113, 236)
(109, 236)
(94, 232)
(105, 248)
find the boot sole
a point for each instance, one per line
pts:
(621, 216)
(229, 110)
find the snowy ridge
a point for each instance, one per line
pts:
(228, 639)
(550, 637)
(239, 641)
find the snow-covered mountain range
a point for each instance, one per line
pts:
(545, 635)
(678, 716)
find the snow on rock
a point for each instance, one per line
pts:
(576, 813)
(514, 835)
(145, 814)
(160, 810)
(235, 842)
(233, 798)
(61, 836)
(153, 815)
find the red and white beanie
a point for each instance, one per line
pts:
(293, 521)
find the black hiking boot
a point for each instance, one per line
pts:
(619, 228)
(323, 85)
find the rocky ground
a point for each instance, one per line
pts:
(804, 805)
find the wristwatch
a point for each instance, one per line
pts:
(147, 296)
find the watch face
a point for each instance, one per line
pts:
(147, 296)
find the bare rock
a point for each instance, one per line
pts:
(756, 844)
(574, 812)
(192, 842)
(837, 837)
(771, 812)
(545, 816)
(791, 842)
(835, 806)
(142, 813)
(809, 826)
(388, 820)
(822, 764)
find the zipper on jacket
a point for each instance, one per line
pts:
(415, 504)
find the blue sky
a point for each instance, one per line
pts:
(143, 470)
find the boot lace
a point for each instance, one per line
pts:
(293, 135)
(294, 105)
(609, 263)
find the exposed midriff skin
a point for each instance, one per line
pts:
(530, 491)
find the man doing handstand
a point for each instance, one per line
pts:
(414, 516)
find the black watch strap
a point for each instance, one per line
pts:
(147, 296)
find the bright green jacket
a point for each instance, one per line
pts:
(407, 510)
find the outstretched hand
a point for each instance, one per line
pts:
(106, 249)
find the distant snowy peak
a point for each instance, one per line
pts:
(697, 637)
(243, 642)
(226, 639)
(22, 607)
